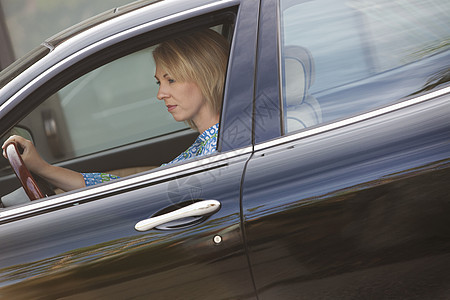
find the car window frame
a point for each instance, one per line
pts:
(270, 50)
(230, 152)
(268, 107)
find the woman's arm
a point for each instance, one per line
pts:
(62, 178)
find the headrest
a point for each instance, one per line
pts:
(298, 74)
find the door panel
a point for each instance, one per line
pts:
(353, 212)
(83, 244)
(89, 248)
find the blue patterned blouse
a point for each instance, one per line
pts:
(205, 144)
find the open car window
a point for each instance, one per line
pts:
(104, 116)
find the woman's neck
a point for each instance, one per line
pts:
(206, 123)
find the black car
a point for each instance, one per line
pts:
(330, 179)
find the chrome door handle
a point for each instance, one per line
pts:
(197, 209)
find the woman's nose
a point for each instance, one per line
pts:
(161, 93)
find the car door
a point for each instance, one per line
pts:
(83, 244)
(348, 197)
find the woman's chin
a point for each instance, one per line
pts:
(178, 118)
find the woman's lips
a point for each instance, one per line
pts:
(171, 107)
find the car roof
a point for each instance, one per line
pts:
(96, 20)
(143, 9)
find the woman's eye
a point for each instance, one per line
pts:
(171, 81)
(158, 82)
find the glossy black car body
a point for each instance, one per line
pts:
(356, 206)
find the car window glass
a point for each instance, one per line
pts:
(340, 58)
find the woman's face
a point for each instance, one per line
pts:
(183, 100)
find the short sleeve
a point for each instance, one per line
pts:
(97, 178)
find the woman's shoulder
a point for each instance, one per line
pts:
(209, 133)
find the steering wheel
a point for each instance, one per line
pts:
(26, 179)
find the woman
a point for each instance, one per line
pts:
(190, 72)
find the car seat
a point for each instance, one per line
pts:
(301, 109)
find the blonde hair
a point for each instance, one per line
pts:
(199, 57)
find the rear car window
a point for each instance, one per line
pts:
(358, 55)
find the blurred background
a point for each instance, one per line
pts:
(24, 24)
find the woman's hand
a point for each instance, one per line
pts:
(30, 156)
(62, 178)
